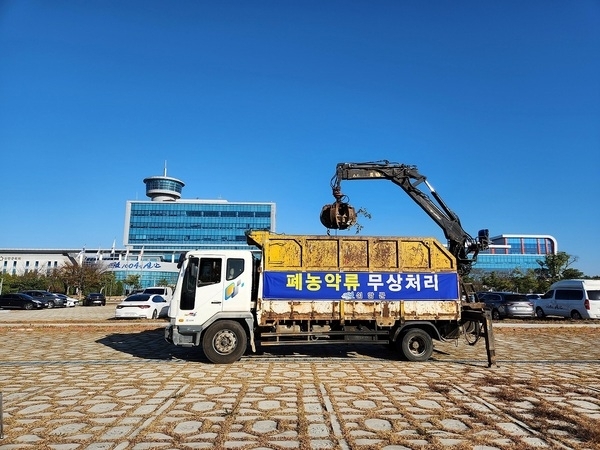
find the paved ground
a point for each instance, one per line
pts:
(75, 379)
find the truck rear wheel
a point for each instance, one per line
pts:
(224, 342)
(416, 345)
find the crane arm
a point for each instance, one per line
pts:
(340, 215)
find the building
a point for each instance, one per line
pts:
(156, 231)
(508, 252)
(166, 223)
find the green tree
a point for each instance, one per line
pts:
(570, 274)
(108, 281)
(163, 282)
(31, 279)
(556, 267)
(132, 282)
(514, 281)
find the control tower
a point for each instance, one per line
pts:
(163, 188)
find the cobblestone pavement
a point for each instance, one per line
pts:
(95, 383)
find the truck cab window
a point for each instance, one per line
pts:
(235, 266)
(210, 271)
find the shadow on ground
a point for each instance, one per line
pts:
(151, 344)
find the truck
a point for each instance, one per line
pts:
(404, 292)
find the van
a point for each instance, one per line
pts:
(165, 291)
(577, 299)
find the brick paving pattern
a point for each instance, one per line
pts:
(94, 383)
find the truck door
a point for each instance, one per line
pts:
(202, 290)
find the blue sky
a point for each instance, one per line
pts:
(497, 103)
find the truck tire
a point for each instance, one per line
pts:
(224, 342)
(416, 345)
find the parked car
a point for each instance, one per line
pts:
(577, 299)
(20, 301)
(69, 301)
(142, 306)
(49, 299)
(94, 299)
(507, 305)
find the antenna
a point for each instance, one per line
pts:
(165, 168)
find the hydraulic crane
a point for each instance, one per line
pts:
(341, 215)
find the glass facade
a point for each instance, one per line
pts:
(508, 252)
(190, 225)
(163, 184)
(157, 231)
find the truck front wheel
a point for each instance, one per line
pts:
(416, 345)
(224, 342)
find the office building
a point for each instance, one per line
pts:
(508, 252)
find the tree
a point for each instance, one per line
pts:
(132, 281)
(84, 278)
(572, 274)
(513, 281)
(556, 267)
(163, 282)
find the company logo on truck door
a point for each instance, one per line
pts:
(360, 286)
(233, 289)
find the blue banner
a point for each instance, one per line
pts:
(360, 286)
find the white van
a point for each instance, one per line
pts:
(577, 299)
(165, 291)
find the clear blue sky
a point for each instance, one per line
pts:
(497, 103)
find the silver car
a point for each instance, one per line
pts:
(507, 305)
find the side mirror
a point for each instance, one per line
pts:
(181, 260)
(484, 238)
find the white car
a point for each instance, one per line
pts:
(142, 306)
(69, 301)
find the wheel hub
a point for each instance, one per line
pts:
(225, 341)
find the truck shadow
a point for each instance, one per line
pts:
(150, 344)
(341, 351)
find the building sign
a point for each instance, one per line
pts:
(134, 265)
(360, 286)
(10, 258)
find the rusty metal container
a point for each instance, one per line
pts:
(385, 279)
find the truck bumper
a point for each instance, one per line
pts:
(188, 336)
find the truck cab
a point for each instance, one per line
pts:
(213, 286)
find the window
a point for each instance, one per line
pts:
(569, 294)
(594, 295)
(210, 271)
(235, 266)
